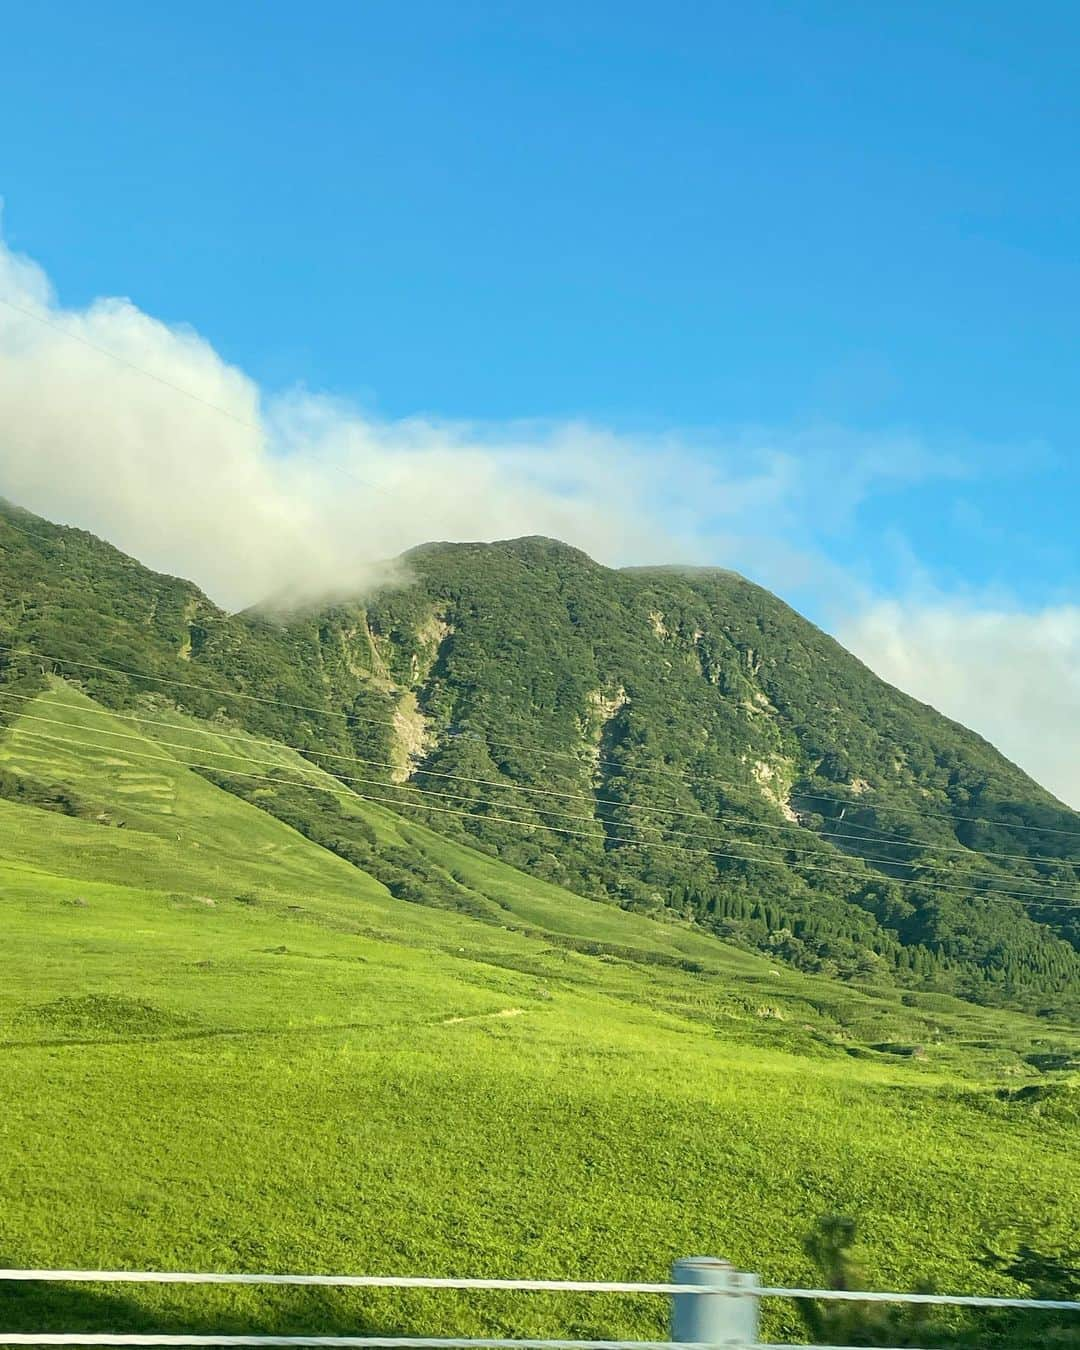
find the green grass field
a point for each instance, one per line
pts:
(224, 1048)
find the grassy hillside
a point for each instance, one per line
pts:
(662, 741)
(226, 1046)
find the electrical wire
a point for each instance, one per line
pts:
(348, 794)
(742, 822)
(579, 760)
(786, 849)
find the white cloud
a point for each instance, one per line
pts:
(1012, 676)
(139, 431)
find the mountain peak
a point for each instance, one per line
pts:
(524, 546)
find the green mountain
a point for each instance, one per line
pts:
(259, 1014)
(668, 741)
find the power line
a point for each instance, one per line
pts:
(353, 759)
(787, 848)
(348, 794)
(591, 820)
(247, 737)
(718, 782)
(298, 707)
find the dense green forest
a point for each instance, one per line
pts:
(662, 740)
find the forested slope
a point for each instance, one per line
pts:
(657, 739)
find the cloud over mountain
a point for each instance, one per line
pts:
(140, 431)
(1014, 676)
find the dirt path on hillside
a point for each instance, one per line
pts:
(480, 1017)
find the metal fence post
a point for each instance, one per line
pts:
(726, 1315)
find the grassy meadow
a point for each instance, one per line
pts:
(225, 1048)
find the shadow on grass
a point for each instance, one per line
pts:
(39, 1306)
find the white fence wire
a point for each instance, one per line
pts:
(719, 1281)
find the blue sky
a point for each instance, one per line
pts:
(837, 238)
